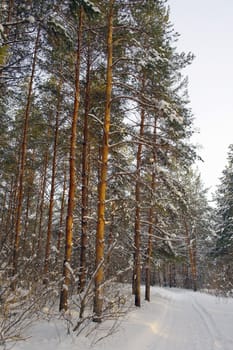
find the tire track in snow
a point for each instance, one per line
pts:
(218, 342)
(173, 332)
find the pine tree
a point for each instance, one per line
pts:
(116, 138)
(72, 172)
(100, 232)
(224, 199)
(23, 157)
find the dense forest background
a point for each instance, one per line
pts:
(97, 179)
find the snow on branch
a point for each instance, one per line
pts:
(89, 7)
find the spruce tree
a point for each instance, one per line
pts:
(224, 199)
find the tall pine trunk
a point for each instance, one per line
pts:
(151, 219)
(72, 175)
(137, 224)
(29, 179)
(99, 277)
(52, 189)
(23, 158)
(41, 207)
(60, 232)
(85, 178)
(149, 245)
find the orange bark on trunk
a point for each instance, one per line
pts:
(151, 218)
(137, 225)
(23, 159)
(72, 178)
(52, 189)
(85, 178)
(98, 298)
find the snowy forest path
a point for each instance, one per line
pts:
(214, 336)
(179, 319)
(175, 319)
(196, 321)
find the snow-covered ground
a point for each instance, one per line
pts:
(175, 319)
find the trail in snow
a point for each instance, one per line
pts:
(174, 319)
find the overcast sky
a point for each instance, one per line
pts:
(206, 29)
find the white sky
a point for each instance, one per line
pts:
(206, 29)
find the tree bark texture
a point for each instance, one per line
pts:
(72, 175)
(151, 218)
(52, 189)
(98, 298)
(85, 178)
(23, 158)
(137, 225)
(60, 233)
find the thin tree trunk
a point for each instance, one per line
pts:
(165, 274)
(61, 231)
(52, 189)
(137, 225)
(41, 207)
(191, 256)
(85, 179)
(30, 182)
(72, 179)
(98, 298)
(35, 238)
(185, 274)
(170, 274)
(23, 159)
(151, 217)
(25, 231)
(149, 248)
(173, 274)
